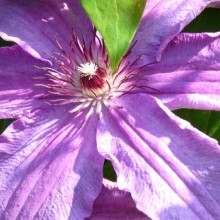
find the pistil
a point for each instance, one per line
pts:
(93, 79)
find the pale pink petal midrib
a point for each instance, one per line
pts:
(174, 169)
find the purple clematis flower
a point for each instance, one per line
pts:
(72, 113)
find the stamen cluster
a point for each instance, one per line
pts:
(84, 79)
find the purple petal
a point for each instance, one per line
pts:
(149, 6)
(43, 169)
(17, 85)
(5, 115)
(158, 26)
(188, 75)
(113, 203)
(33, 24)
(191, 101)
(171, 169)
(215, 4)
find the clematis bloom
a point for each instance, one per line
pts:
(72, 113)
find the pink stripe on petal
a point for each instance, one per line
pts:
(44, 176)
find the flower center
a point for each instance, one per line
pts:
(93, 79)
(83, 79)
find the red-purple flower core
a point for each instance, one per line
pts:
(93, 79)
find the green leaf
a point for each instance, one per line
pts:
(117, 21)
(206, 121)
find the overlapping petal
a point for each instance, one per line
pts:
(160, 24)
(43, 161)
(18, 93)
(33, 24)
(170, 168)
(113, 203)
(188, 75)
